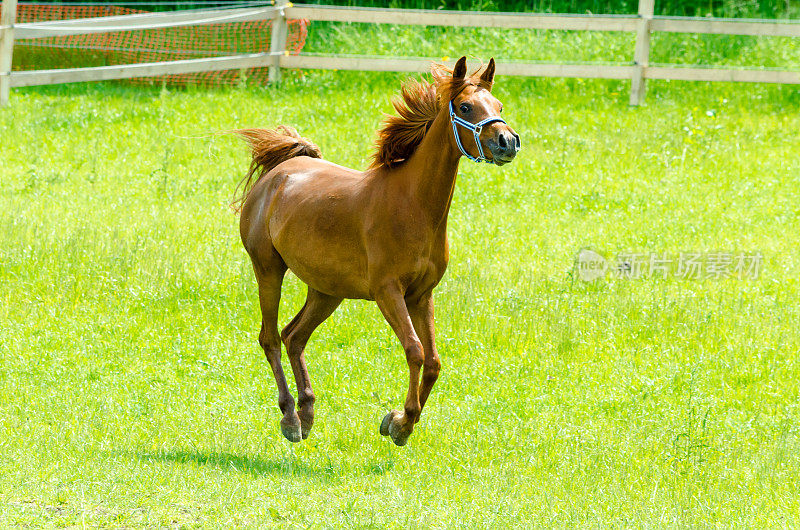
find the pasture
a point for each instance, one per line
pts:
(133, 391)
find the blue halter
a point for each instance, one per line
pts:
(476, 129)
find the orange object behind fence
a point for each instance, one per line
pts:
(144, 46)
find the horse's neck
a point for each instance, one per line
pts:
(433, 168)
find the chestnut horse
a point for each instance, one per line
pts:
(376, 235)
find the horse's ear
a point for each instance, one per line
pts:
(460, 69)
(487, 78)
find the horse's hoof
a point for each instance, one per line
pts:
(291, 429)
(384, 430)
(305, 428)
(389, 428)
(398, 438)
(306, 421)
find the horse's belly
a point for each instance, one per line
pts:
(329, 277)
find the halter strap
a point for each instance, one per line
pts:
(476, 129)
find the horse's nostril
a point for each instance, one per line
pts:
(502, 141)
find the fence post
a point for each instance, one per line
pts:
(8, 16)
(641, 56)
(277, 43)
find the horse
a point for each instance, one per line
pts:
(377, 235)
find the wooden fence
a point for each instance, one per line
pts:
(638, 71)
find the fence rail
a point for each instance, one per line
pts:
(643, 24)
(59, 28)
(471, 19)
(127, 71)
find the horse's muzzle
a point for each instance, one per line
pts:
(505, 147)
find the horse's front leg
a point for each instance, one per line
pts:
(422, 317)
(399, 425)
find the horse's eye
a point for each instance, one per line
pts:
(464, 108)
(501, 108)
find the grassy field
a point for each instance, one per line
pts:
(133, 391)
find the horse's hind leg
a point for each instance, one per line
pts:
(269, 273)
(422, 317)
(295, 336)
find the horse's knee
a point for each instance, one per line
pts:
(268, 339)
(414, 354)
(431, 368)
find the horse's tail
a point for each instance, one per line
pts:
(270, 147)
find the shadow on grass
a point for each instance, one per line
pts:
(256, 466)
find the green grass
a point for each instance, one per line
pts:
(133, 391)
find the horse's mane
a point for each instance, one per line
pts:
(417, 107)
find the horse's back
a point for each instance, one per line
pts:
(293, 180)
(317, 166)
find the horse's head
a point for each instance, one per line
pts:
(480, 133)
